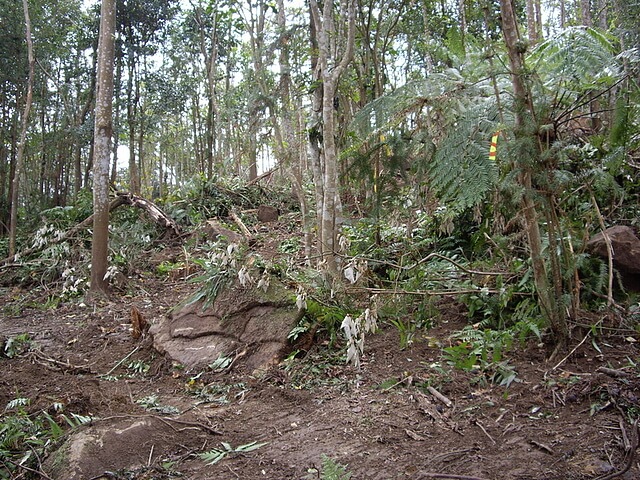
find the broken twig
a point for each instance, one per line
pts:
(440, 396)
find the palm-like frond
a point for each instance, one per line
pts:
(389, 110)
(578, 58)
(461, 173)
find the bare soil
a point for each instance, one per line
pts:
(561, 421)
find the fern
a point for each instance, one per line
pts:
(577, 58)
(386, 112)
(461, 173)
(332, 470)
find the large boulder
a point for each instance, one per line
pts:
(247, 324)
(626, 253)
(625, 245)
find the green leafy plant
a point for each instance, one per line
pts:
(327, 317)
(330, 470)
(290, 245)
(150, 402)
(219, 268)
(138, 367)
(16, 346)
(483, 350)
(26, 438)
(215, 455)
(406, 329)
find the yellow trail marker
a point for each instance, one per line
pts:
(494, 147)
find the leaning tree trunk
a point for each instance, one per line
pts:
(524, 117)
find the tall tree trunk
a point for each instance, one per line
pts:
(532, 27)
(13, 222)
(585, 13)
(524, 117)
(132, 117)
(331, 69)
(102, 150)
(210, 57)
(289, 145)
(116, 120)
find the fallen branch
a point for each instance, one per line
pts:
(24, 467)
(484, 430)
(630, 456)
(613, 373)
(439, 396)
(430, 409)
(266, 174)
(243, 228)
(209, 429)
(121, 362)
(575, 348)
(42, 359)
(122, 198)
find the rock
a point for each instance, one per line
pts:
(625, 244)
(115, 444)
(267, 214)
(244, 323)
(212, 230)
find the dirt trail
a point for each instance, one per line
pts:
(380, 422)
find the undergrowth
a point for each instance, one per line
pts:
(26, 438)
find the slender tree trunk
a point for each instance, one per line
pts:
(524, 117)
(585, 13)
(331, 70)
(463, 20)
(210, 57)
(532, 27)
(289, 145)
(13, 222)
(102, 150)
(116, 120)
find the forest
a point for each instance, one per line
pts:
(214, 211)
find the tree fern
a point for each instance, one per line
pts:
(578, 58)
(386, 112)
(461, 173)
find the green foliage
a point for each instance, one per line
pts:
(485, 350)
(138, 367)
(332, 470)
(327, 317)
(461, 172)
(27, 438)
(214, 392)
(406, 329)
(290, 246)
(219, 268)
(17, 345)
(576, 58)
(215, 455)
(150, 402)
(200, 199)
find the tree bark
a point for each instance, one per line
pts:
(524, 117)
(330, 71)
(102, 150)
(15, 190)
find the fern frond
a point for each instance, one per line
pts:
(387, 111)
(461, 173)
(577, 57)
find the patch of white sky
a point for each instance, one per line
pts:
(265, 159)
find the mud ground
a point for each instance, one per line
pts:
(568, 420)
